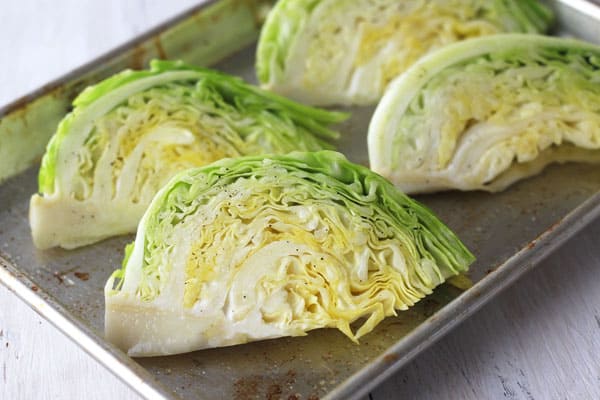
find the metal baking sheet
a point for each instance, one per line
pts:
(508, 232)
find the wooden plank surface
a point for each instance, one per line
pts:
(538, 340)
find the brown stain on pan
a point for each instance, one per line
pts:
(551, 229)
(271, 388)
(58, 276)
(274, 392)
(493, 269)
(140, 53)
(138, 56)
(257, 10)
(17, 275)
(391, 358)
(84, 276)
(246, 388)
(554, 225)
(160, 50)
(201, 18)
(21, 104)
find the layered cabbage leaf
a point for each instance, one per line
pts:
(262, 247)
(128, 135)
(484, 113)
(347, 51)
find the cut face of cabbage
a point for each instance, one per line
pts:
(262, 247)
(128, 135)
(485, 113)
(347, 51)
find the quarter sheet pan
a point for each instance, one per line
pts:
(508, 232)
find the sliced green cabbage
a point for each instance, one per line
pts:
(485, 113)
(347, 51)
(128, 135)
(262, 247)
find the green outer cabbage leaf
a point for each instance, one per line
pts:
(484, 113)
(176, 116)
(326, 52)
(277, 227)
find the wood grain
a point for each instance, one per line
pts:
(538, 340)
(39, 362)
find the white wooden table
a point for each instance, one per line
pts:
(538, 340)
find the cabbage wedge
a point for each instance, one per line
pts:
(263, 247)
(484, 113)
(128, 135)
(326, 52)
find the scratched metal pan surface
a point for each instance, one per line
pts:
(509, 233)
